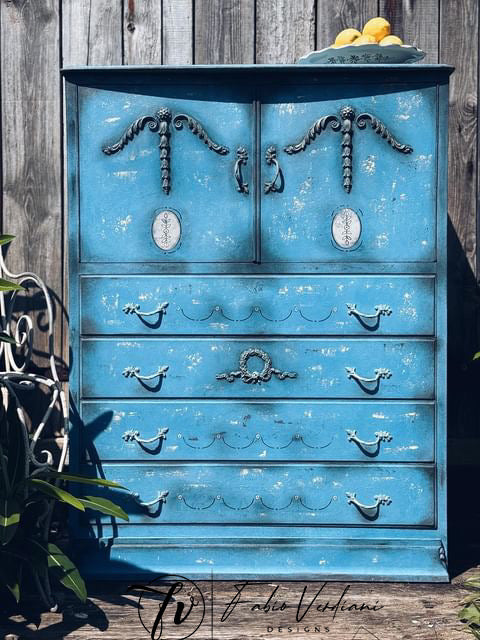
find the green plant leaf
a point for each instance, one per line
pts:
(4, 337)
(104, 506)
(476, 356)
(11, 574)
(470, 614)
(55, 492)
(5, 238)
(81, 479)
(6, 285)
(63, 569)
(9, 518)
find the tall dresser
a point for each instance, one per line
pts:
(258, 318)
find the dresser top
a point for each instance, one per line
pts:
(377, 72)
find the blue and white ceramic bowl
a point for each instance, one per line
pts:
(364, 54)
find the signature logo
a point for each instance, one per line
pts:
(170, 607)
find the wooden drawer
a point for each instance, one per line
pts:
(259, 431)
(328, 305)
(267, 368)
(389, 495)
(393, 194)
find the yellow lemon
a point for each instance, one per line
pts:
(364, 40)
(377, 27)
(390, 40)
(347, 36)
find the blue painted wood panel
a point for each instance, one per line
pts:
(233, 430)
(271, 494)
(320, 367)
(258, 305)
(393, 193)
(121, 193)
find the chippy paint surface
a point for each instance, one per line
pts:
(281, 430)
(121, 194)
(320, 365)
(297, 494)
(347, 551)
(253, 305)
(393, 193)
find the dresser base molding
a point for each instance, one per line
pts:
(249, 559)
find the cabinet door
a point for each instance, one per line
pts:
(357, 178)
(161, 177)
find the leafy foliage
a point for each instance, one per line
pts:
(470, 613)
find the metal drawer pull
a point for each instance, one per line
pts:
(253, 377)
(134, 309)
(271, 159)
(133, 372)
(132, 435)
(380, 310)
(242, 159)
(160, 499)
(380, 436)
(371, 511)
(379, 374)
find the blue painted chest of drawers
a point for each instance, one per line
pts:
(258, 318)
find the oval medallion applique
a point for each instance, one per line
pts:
(346, 229)
(167, 230)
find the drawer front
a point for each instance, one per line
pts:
(297, 494)
(393, 194)
(299, 368)
(233, 430)
(123, 193)
(359, 305)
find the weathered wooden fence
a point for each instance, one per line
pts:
(38, 37)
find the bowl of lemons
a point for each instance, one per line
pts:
(375, 44)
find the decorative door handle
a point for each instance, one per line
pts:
(134, 309)
(132, 435)
(379, 374)
(380, 310)
(271, 158)
(380, 436)
(160, 499)
(134, 372)
(255, 376)
(370, 511)
(242, 159)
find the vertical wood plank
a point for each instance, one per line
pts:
(459, 23)
(284, 31)
(142, 29)
(177, 31)
(416, 23)
(335, 15)
(224, 31)
(92, 32)
(458, 31)
(31, 152)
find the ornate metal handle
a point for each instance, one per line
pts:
(132, 435)
(271, 158)
(253, 377)
(380, 310)
(380, 436)
(379, 374)
(370, 511)
(134, 309)
(160, 499)
(242, 159)
(133, 372)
